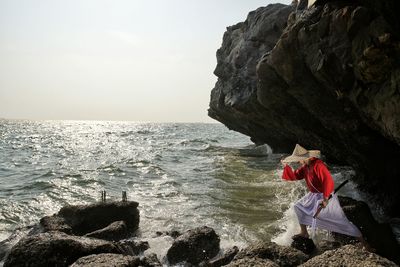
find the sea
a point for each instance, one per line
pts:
(183, 175)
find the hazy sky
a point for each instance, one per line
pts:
(138, 60)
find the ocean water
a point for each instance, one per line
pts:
(182, 174)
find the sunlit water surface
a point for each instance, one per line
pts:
(182, 175)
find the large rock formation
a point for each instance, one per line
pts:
(327, 77)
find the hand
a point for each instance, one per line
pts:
(324, 203)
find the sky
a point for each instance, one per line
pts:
(136, 60)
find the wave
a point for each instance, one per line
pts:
(248, 151)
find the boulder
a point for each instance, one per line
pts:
(224, 259)
(113, 232)
(85, 219)
(55, 249)
(194, 246)
(350, 256)
(253, 262)
(150, 260)
(379, 235)
(303, 244)
(106, 260)
(281, 255)
(132, 247)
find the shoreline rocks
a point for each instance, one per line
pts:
(195, 247)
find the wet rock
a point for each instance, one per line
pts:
(54, 223)
(281, 255)
(254, 262)
(132, 247)
(150, 260)
(348, 255)
(55, 249)
(378, 235)
(226, 258)
(174, 234)
(113, 232)
(84, 219)
(106, 260)
(303, 244)
(194, 246)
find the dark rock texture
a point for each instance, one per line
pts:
(283, 256)
(224, 259)
(303, 244)
(115, 231)
(327, 77)
(55, 249)
(253, 262)
(378, 235)
(348, 255)
(194, 246)
(107, 260)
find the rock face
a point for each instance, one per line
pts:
(115, 231)
(303, 244)
(348, 256)
(106, 260)
(55, 249)
(378, 235)
(84, 219)
(282, 256)
(327, 77)
(194, 246)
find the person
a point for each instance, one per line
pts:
(321, 185)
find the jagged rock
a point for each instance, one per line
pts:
(350, 256)
(150, 260)
(106, 260)
(378, 235)
(226, 258)
(132, 247)
(325, 77)
(303, 244)
(283, 256)
(55, 249)
(194, 246)
(174, 234)
(88, 218)
(54, 223)
(253, 262)
(113, 232)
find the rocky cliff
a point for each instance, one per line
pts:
(327, 77)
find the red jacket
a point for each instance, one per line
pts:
(316, 174)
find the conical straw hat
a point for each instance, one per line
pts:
(300, 153)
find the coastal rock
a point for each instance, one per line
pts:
(132, 247)
(326, 77)
(303, 244)
(113, 232)
(106, 260)
(281, 255)
(150, 260)
(55, 249)
(378, 235)
(194, 246)
(226, 258)
(88, 218)
(253, 262)
(348, 255)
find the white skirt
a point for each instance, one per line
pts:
(331, 218)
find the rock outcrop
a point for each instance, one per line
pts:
(106, 260)
(327, 77)
(194, 246)
(348, 255)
